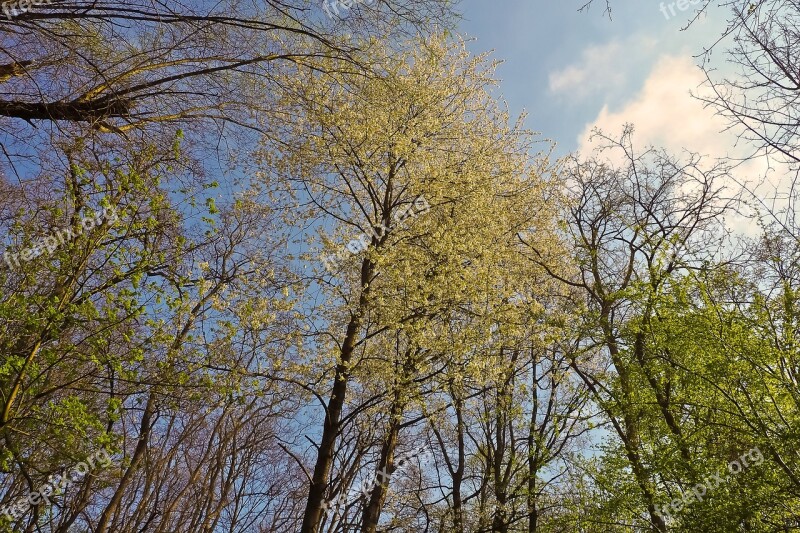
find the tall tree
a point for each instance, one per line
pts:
(632, 228)
(370, 151)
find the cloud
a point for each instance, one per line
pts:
(602, 69)
(666, 115)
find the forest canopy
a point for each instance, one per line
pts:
(294, 266)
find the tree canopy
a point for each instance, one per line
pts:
(266, 268)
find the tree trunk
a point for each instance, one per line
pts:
(630, 435)
(331, 426)
(372, 513)
(533, 448)
(138, 454)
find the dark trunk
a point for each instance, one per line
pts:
(331, 427)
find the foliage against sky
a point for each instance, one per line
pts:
(597, 340)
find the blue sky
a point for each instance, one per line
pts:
(572, 70)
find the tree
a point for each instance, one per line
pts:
(119, 336)
(368, 152)
(118, 68)
(759, 100)
(633, 227)
(103, 331)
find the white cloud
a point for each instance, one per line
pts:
(665, 114)
(601, 69)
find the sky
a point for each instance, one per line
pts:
(574, 70)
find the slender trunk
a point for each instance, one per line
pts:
(372, 513)
(533, 448)
(12, 396)
(333, 415)
(331, 426)
(663, 401)
(138, 454)
(533, 508)
(499, 523)
(630, 433)
(504, 438)
(458, 473)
